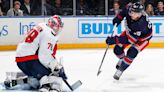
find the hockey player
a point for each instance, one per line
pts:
(138, 32)
(35, 56)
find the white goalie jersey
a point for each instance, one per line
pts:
(40, 43)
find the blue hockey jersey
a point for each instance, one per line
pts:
(140, 29)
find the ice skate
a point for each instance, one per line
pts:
(119, 64)
(118, 74)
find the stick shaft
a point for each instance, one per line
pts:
(99, 70)
(68, 84)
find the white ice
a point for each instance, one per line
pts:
(146, 74)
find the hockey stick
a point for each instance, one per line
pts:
(99, 70)
(74, 86)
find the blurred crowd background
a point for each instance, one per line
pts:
(74, 7)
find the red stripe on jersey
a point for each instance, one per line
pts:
(145, 46)
(133, 40)
(119, 17)
(141, 45)
(145, 38)
(26, 58)
(54, 51)
(127, 6)
(117, 40)
(127, 60)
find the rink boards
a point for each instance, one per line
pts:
(78, 32)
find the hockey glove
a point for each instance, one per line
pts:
(112, 40)
(60, 73)
(55, 66)
(116, 21)
(57, 69)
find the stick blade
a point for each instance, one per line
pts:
(76, 85)
(98, 73)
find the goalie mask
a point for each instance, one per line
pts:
(55, 23)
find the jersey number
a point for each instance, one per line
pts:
(31, 36)
(149, 23)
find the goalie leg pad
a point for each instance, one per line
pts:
(18, 80)
(33, 82)
(54, 82)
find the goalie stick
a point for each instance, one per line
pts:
(99, 70)
(74, 86)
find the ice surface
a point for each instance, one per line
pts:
(146, 74)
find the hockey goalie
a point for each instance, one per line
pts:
(35, 57)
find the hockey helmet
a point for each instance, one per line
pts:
(137, 7)
(55, 22)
